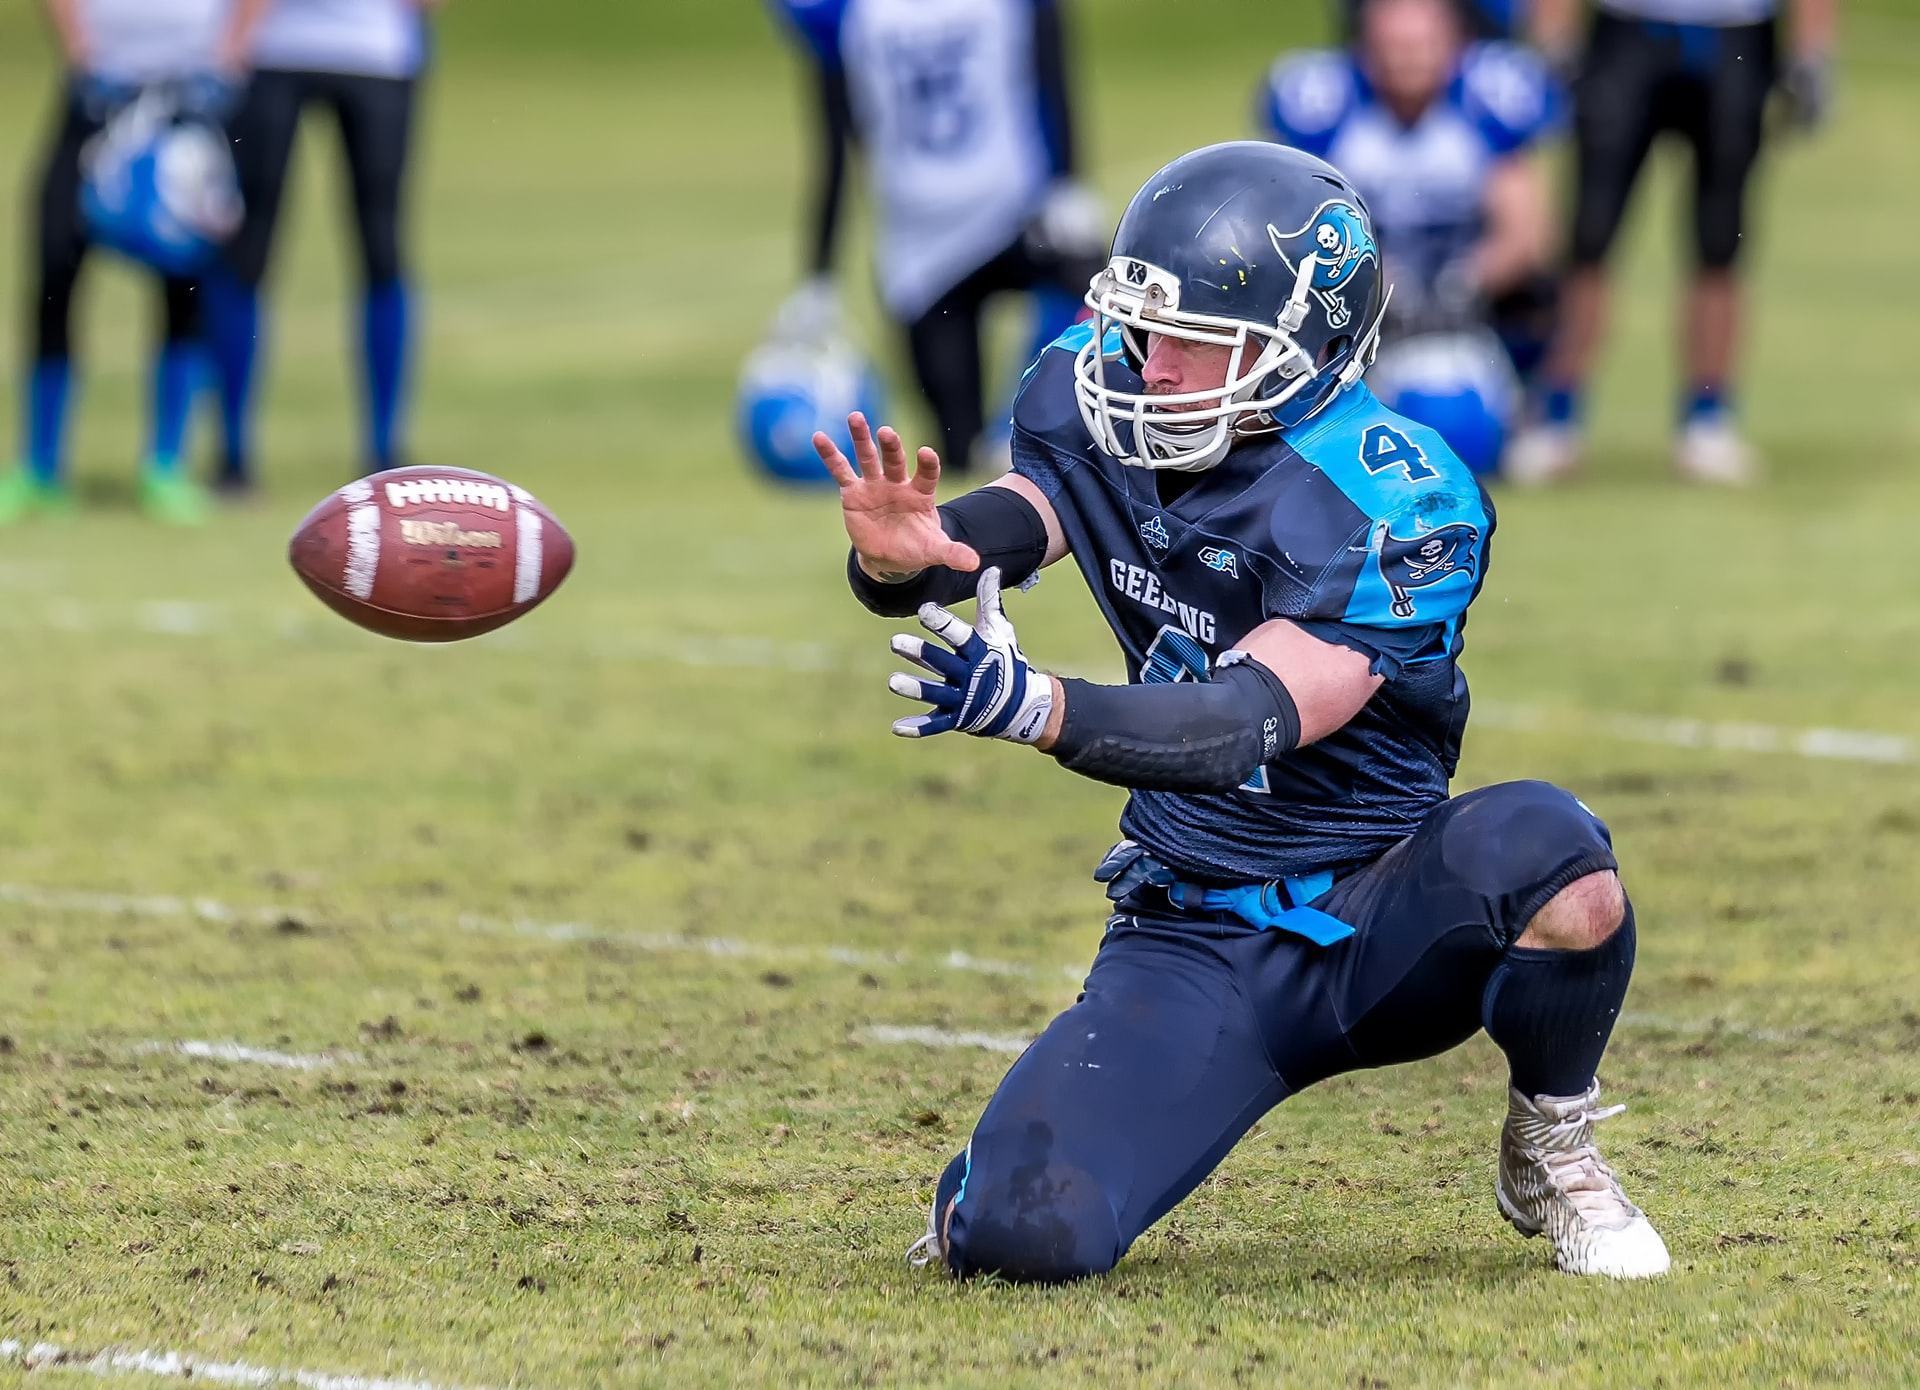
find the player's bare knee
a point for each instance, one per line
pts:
(1580, 916)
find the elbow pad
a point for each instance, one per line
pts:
(1185, 736)
(997, 522)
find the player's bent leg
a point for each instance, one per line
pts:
(1115, 1114)
(1551, 1005)
(1504, 910)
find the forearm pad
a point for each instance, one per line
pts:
(1000, 524)
(1183, 736)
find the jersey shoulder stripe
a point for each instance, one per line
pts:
(1308, 97)
(1509, 95)
(1048, 433)
(1419, 554)
(816, 23)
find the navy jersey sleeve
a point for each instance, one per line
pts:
(1510, 95)
(1305, 99)
(816, 23)
(1390, 573)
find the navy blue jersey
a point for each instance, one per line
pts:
(1359, 525)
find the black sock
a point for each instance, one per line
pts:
(1552, 1012)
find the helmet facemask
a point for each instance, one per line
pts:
(1192, 431)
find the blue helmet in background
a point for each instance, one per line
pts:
(1459, 384)
(159, 186)
(790, 389)
(1249, 246)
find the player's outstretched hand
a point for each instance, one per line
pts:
(983, 686)
(890, 513)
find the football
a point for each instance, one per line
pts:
(431, 554)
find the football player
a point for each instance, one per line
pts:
(1485, 19)
(362, 59)
(1442, 137)
(961, 111)
(1287, 566)
(1702, 70)
(113, 48)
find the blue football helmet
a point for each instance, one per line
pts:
(1246, 245)
(790, 389)
(1461, 385)
(158, 185)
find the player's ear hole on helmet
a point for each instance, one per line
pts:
(1333, 348)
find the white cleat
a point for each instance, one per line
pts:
(930, 1248)
(1541, 455)
(1553, 1182)
(1712, 452)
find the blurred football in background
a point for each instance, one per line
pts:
(431, 554)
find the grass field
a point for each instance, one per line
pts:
(566, 945)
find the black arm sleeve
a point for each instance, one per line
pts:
(1183, 736)
(997, 522)
(836, 135)
(1050, 74)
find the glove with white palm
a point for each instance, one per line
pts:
(985, 686)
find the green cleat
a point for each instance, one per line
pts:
(172, 498)
(23, 495)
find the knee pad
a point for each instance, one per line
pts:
(1040, 1224)
(1519, 843)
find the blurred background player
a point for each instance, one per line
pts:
(961, 111)
(1441, 136)
(112, 49)
(1483, 19)
(1702, 70)
(361, 59)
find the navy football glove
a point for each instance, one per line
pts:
(985, 685)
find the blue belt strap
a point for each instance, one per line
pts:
(1278, 905)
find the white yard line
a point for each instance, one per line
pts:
(723, 947)
(940, 1037)
(718, 947)
(174, 1365)
(1843, 745)
(259, 1056)
(1711, 1027)
(193, 618)
(727, 947)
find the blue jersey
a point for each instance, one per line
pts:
(1360, 526)
(1425, 183)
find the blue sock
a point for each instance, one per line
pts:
(1561, 405)
(47, 393)
(1552, 1012)
(384, 323)
(233, 340)
(177, 374)
(1706, 403)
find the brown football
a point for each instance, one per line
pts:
(431, 554)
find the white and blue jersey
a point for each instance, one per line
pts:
(1711, 14)
(362, 38)
(949, 112)
(1359, 525)
(1425, 183)
(142, 41)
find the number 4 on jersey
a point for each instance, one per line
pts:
(1383, 447)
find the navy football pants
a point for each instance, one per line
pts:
(1193, 1026)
